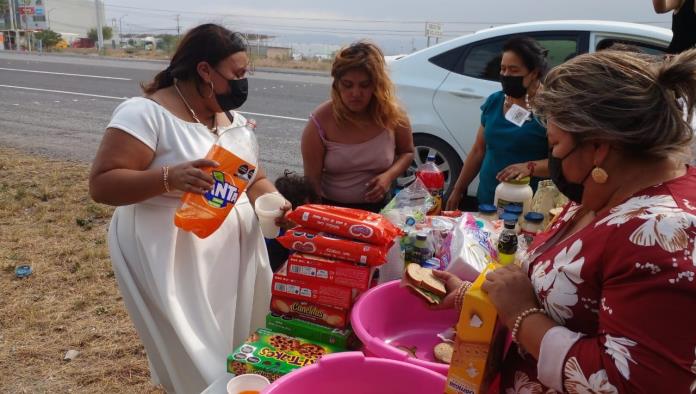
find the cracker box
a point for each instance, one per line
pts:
(479, 343)
(329, 271)
(315, 313)
(312, 291)
(273, 355)
(285, 324)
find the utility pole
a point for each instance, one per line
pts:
(120, 30)
(13, 24)
(178, 27)
(100, 33)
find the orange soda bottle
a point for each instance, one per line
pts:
(237, 151)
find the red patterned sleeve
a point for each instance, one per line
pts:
(646, 338)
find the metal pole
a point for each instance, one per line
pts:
(14, 22)
(100, 34)
(178, 28)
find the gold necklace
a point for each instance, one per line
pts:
(213, 129)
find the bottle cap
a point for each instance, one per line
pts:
(508, 217)
(514, 209)
(487, 208)
(421, 237)
(510, 225)
(431, 157)
(521, 181)
(534, 217)
(22, 271)
(410, 221)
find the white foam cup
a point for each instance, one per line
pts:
(268, 210)
(247, 382)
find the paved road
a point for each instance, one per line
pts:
(59, 105)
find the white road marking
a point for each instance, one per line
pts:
(126, 98)
(68, 74)
(63, 92)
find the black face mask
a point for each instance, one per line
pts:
(237, 95)
(513, 85)
(571, 190)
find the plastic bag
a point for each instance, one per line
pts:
(472, 249)
(414, 201)
(322, 244)
(356, 224)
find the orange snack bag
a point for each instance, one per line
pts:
(321, 244)
(350, 223)
(202, 214)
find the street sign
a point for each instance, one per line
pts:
(25, 10)
(433, 29)
(39, 11)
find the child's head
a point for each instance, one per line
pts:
(296, 189)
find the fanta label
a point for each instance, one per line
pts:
(202, 214)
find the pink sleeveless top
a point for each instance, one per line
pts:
(349, 167)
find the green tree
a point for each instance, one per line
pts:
(49, 38)
(168, 42)
(4, 7)
(107, 32)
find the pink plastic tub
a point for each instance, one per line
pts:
(353, 373)
(388, 316)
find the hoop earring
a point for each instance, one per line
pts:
(212, 89)
(599, 175)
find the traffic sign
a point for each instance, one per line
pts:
(433, 29)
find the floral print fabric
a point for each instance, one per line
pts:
(626, 282)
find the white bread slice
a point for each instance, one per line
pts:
(424, 279)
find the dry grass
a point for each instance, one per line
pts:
(71, 301)
(314, 65)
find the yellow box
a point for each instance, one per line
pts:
(479, 343)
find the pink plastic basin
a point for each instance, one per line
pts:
(388, 316)
(353, 373)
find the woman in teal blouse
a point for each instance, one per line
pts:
(510, 143)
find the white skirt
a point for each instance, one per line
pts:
(192, 300)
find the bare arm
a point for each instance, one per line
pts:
(404, 151)
(312, 156)
(471, 168)
(260, 186)
(662, 6)
(119, 174)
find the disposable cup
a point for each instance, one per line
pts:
(268, 210)
(247, 382)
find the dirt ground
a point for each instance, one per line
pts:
(71, 301)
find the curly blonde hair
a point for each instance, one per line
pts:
(383, 109)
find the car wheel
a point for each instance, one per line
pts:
(445, 157)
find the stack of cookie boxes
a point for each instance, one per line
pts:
(336, 251)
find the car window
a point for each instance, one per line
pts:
(483, 60)
(629, 44)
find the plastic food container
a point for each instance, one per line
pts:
(388, 316)
(514, 191)
(352, 372)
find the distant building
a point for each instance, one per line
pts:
(71, 18)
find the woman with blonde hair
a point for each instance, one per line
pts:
(356, 144)
(604, 301)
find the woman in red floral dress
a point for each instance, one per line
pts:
(605, 301)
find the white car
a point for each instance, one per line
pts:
(443, 87)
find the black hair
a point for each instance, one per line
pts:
(205, 43)
(533, 55)
(296, 189)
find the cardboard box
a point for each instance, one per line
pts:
(273, 354)
(479, 343)
(312, 291)
(285, 324)
(315, 313)
(329, 271)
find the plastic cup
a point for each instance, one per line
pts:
(247, 382)
(267, 209)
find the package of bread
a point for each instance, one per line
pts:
(424, 283)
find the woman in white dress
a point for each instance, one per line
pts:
(192, 300)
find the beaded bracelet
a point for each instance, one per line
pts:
(459, 295)
(165, 176)
(520, 317)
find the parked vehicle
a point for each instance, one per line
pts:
(443, 87)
